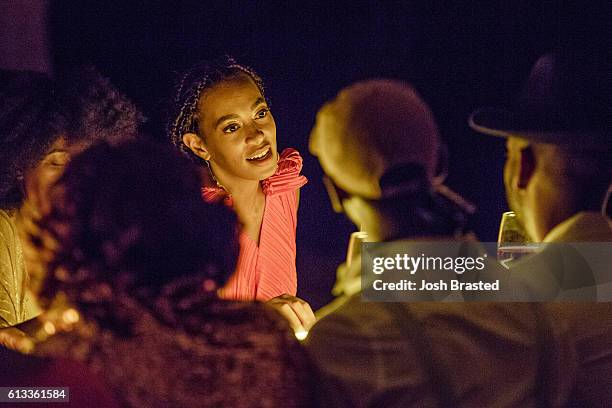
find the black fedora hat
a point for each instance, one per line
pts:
(567, 100)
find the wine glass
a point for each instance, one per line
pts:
(348, 279)
(512, 241)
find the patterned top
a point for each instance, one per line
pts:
(267, 270)
(197, 352)
(16, 302)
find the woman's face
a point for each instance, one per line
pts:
(39, 179)
(238, 131)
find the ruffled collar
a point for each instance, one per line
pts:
(286, 178)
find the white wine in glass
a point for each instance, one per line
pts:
(512, 241)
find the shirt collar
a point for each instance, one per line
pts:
(582, 227)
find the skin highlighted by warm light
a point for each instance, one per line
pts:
(70, 316)
(237, 133)
(301, 335)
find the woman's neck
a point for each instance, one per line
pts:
(244, 192)
(246, 196)
(241, 190)
(248, 201)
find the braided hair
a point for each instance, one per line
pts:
(201, 76)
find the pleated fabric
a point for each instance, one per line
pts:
(268, 270)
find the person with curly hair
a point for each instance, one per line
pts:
(223, 122)
(94, 110)
(143, 276)
(30, 123)
(43, 123)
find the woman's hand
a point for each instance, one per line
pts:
(16, 340)
(297, 312)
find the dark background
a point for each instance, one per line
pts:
(459, 54)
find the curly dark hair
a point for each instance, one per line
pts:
(30, 122)
(131, 217)
(82, 106)
(192, 83)
(95, 109)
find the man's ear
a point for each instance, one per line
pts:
(527, 166)
(196, 145)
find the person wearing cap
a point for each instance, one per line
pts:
(557, 178)
(379, 147)
(395, 191)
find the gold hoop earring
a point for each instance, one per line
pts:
(213, 176)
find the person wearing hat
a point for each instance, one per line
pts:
(559, 143)
(379, 147)
(557, 178)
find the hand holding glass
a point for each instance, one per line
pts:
(512, 241)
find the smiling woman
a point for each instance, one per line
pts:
(223, 122)
(29, 124)
(238, 134)
(43, 123)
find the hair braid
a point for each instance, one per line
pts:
(193, 82)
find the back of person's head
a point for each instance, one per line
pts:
(129, 222)
(378, 143)
(29, 124)
(370, 128)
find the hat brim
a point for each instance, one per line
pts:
(504, 123)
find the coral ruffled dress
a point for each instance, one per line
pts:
(268, 270)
